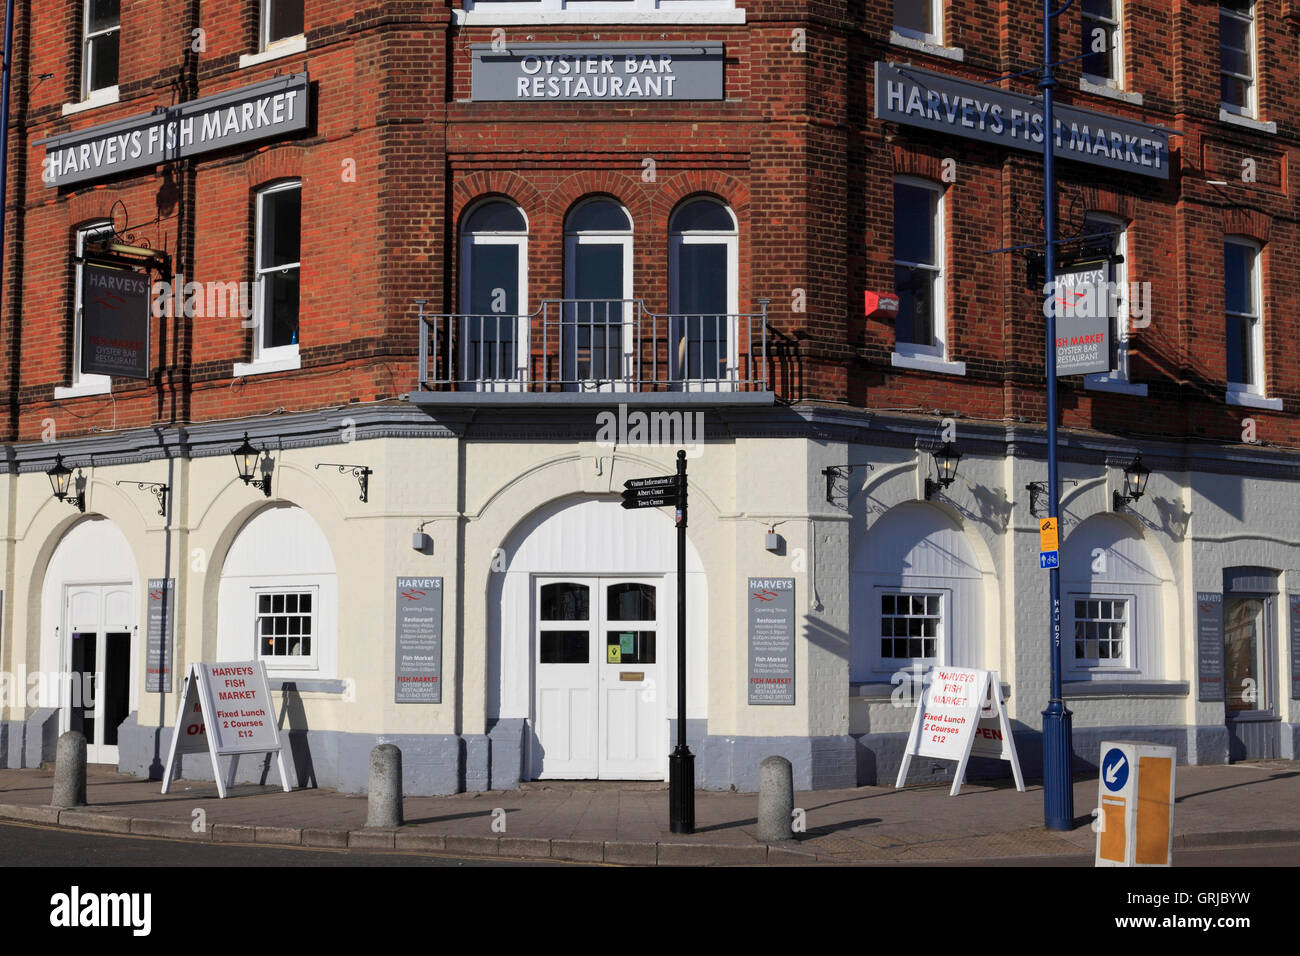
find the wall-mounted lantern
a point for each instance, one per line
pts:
(945, 463)
(247, 461)
(65, 489)
(1135, 483)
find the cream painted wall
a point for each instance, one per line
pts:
(472, 496)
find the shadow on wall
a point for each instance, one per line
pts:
(303, 772)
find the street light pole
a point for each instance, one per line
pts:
(681, 762)
(1058, 794)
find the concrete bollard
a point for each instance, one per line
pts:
(775, 800)
(70, 771)
(384, 802)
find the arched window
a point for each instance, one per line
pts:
(494, 292)
(915, 599)
(278, 599)
(703, 268)
(1111, 603)
(597, 335)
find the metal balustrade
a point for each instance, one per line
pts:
(594, 345)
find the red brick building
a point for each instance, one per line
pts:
(438, 241)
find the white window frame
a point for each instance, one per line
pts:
(917, 666)
(83, 384)
(1128, 664)
(537, 12)
(289, 662)
(280, 357)
(101, 93)
(265, 43)
(1115, 24)
(468, 240)
(1251, 109)
(1117, 379)
(937, 354)
(1246, 390)
(936, 15)
(572, 240)
(729, 239)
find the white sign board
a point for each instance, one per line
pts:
(962, 711)
(226, 710)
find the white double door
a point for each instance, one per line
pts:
(95, 681)
(599, 694)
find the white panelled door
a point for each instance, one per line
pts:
(95, 686)
(597, 705)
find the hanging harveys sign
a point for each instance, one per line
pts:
(114, 321)
(260, 111)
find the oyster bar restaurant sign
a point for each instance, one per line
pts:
(263, 110)
(935, 101)
(597, 71)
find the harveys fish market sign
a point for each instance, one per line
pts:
(272, 108)
(597, 71)
(934, 101)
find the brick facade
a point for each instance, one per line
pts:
(793, 149)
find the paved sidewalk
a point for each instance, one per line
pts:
(628, 823)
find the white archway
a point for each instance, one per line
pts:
(1111, 603)
(278, 596)
(591, 539)
(90, 610)
(916, 595)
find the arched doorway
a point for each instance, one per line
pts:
(582, 639)
(90, 630)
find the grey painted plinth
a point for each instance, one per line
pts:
(384, 799)
(775, 800)
(70, 771)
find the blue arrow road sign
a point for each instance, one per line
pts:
(1114, 770)
(1049, 559)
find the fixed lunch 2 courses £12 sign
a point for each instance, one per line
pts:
(114, 321)
(961, 712)
(935, 101)
(225, 711)
(597, 71)
(272, 108)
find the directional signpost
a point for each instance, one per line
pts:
(650, 492)
(659, 492)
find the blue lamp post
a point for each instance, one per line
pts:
(1058, 794)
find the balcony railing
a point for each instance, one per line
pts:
(590, 347)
